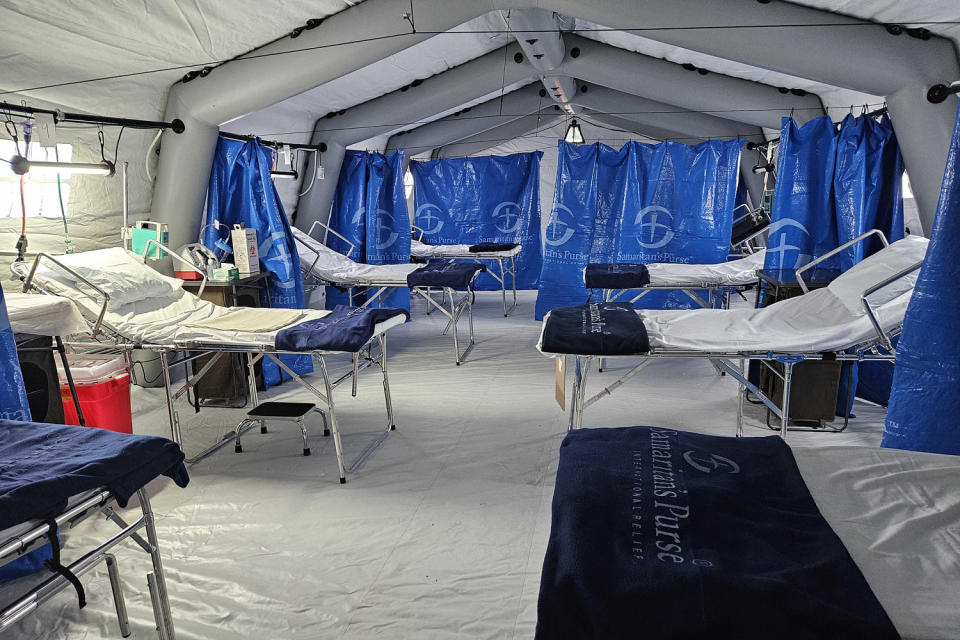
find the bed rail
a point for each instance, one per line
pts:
(416, 232)
(871, 313)
(177, 258)
(830, 254)
(106, 297)
(326, 234)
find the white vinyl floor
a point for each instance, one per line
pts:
(440, 534)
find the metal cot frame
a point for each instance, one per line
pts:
(504, 269)
(193, 351)
(375, 293)
(734, 363)
(98, 501)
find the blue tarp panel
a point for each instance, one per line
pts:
(483, 199)
(370, 209)
(241, 190)
(803, 224)
(14, 406)
(645, 203)
(867, 185)
(13, 395)
(924, 413)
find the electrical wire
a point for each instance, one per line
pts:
(146, 159)
(407, 34)
(23, 209)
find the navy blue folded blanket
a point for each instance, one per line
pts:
(489, 247)
(344, 329)
(616, 276)
(662, 534)
(595, 329)
(458, 275)
(43, 465)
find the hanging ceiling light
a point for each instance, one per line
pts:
(574, 135)
(22, 166)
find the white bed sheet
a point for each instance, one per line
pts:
(828, 319)
(336, 267)
(898, 514)
(162, 320)
(420, 250)
(735, 273)
(43, 315)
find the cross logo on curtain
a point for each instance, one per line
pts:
(653, 233)
(558, 231)
(430, 222)
(507, 212)
(780, 248)
(386, 236)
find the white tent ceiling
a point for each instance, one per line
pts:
(53, 53)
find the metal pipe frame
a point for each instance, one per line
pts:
(830, 254)
(453, 313)
(99, 501)
(722, 362)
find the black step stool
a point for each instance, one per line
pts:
(289, 411)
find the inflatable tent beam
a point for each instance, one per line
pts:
(597, 61)
(816, 46)
(471, 121)
(436, 95)
(538, 32)
(518, 128)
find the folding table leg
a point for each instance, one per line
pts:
(334, 428)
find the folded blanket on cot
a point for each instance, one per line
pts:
(344, 329)
(458, 275)
(606, 275)
(489, 247)
(43, 465)
(659, 533)
(594, 329)
(250, 320)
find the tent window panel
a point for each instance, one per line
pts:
(40, 191)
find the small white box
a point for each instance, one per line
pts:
(245, 253)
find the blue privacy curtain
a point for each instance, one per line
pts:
(833, 186)
(668, 202)
(14, 406)
(483, 199)
(924, 413)
(370, 209)
(241, 190)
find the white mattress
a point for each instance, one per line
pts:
(828, 319)
(735, 273)
(898, 514)
(338, 268)
(161, 320)
(43, 315)
(421, 250)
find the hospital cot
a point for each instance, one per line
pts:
(368, 284)
(659, 533)
(505, 257)
(54, 477)
(719, 280)
(852, 319)
(128, 306)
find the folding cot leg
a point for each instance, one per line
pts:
(337, 444)
(741, 391)
(303, 432)
(785, 410)
(428, 301)
(580, 391)
(513, 278)
(356, 366)
(391, 422)
(116, 587)
(503, 285)
(453, 322)
(171, 410)
(155, 579)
